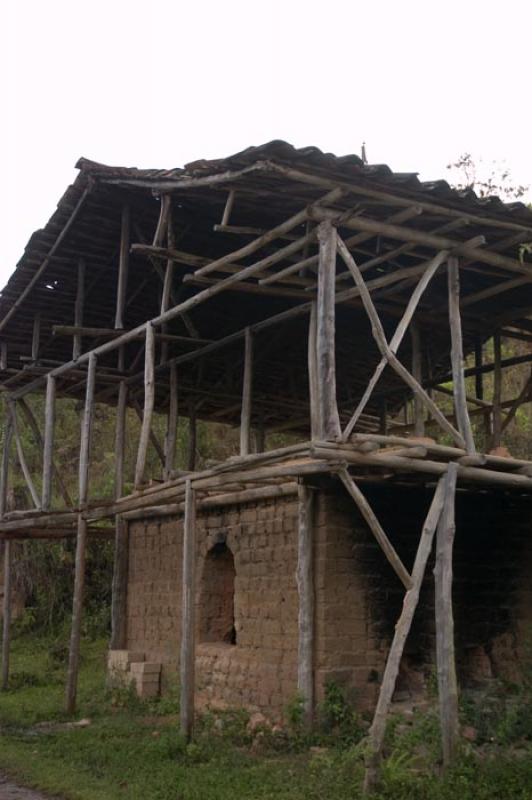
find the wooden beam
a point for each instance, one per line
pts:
(77, 344)
(6, 616)
(81, 541)
(48, 445)
(247, 395)
(376, 529)
(457, 355)
(123, 267)
(305, 588)
(443, 579)
(188, 614)
(328, 417)
(149, 402)
(380, 339)
(397, 338)
(314, 389)
(402, 629)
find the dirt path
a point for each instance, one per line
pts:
(9, 791)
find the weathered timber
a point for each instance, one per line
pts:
(192, 436)
(247, 395)
(497, 391)
(429, 271)
(402, 629)
(445, 659)
(376, 528)
(305, 588)
(380, 339)
(48, 445)
(77, 343)
(314, 389)
(12, 411)
(457, 355)
(32, 422)
(36, 337)
(81, 541)
(188, 608)
(328, 417)
(149, 402)
(123, 267)
(171, 424)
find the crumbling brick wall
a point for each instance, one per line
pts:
(358, 596)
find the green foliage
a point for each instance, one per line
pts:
(337, 715)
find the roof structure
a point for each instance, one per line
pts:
(267, 185)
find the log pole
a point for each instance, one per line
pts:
(188, 609)
(247, 395)
(149, 402)
(123, 267)
(48, 445)
(329, 420)
(121, 551)
(77, 342)
(497, 391)
(457, 355)
(171, 426)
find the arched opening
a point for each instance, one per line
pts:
(217, 600)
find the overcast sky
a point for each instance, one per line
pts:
(158, 83)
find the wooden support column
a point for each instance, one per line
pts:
(81, 540)
(32, 422)
(12, 411)
(417, 373)
(445, 659)
(479, 378)
(247, 395)
(6, 615)
(121, 552)
(36, 337)
(305, 587)
(328, 420)
(123, 267)
(497, 391)
(402, 629)
(48, 445)
(77, 343)
(313, 375)
(149, 402)
(457, 355)
(188, 614)
(192, 435)
(171, 425)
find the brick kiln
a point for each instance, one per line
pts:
(344, 318)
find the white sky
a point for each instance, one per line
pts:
(156, 83)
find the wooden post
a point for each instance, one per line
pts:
(3, 355)
(48, 445)
(402, 629)
(457, 355)
(77, 343)
(497, 391)
(12, 411)
(4, 467)
(149, 402)
(6, 612)
(81, 540)
(32, 422)
(171, 429)
(192, 434)
(305, 587)
(188, 609)
(247, 391)
(443, 580)
(479, 378)
(36, 337)
(313, 375)
(417, 373)
(329, 420)
(123, 267)
(121, 552)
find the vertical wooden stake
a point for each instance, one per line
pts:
(81, 540)
(48, 445)
(188, 609)
(192, 434)
(497, 391)
(121, 553)
(417, 372)
(247, 389)
(313, 375)
(123, 267)
(149, 402)
(445, 659)
(4, 467)
(457, 355)
(329, 420)
(6, 611)
(305, 587)
(171, 428)
(77, 344)
(36, 337)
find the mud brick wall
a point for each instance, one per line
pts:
(358, 595)
(260, 670)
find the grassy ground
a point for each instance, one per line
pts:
(133, 750)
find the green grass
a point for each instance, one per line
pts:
(134, 750)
